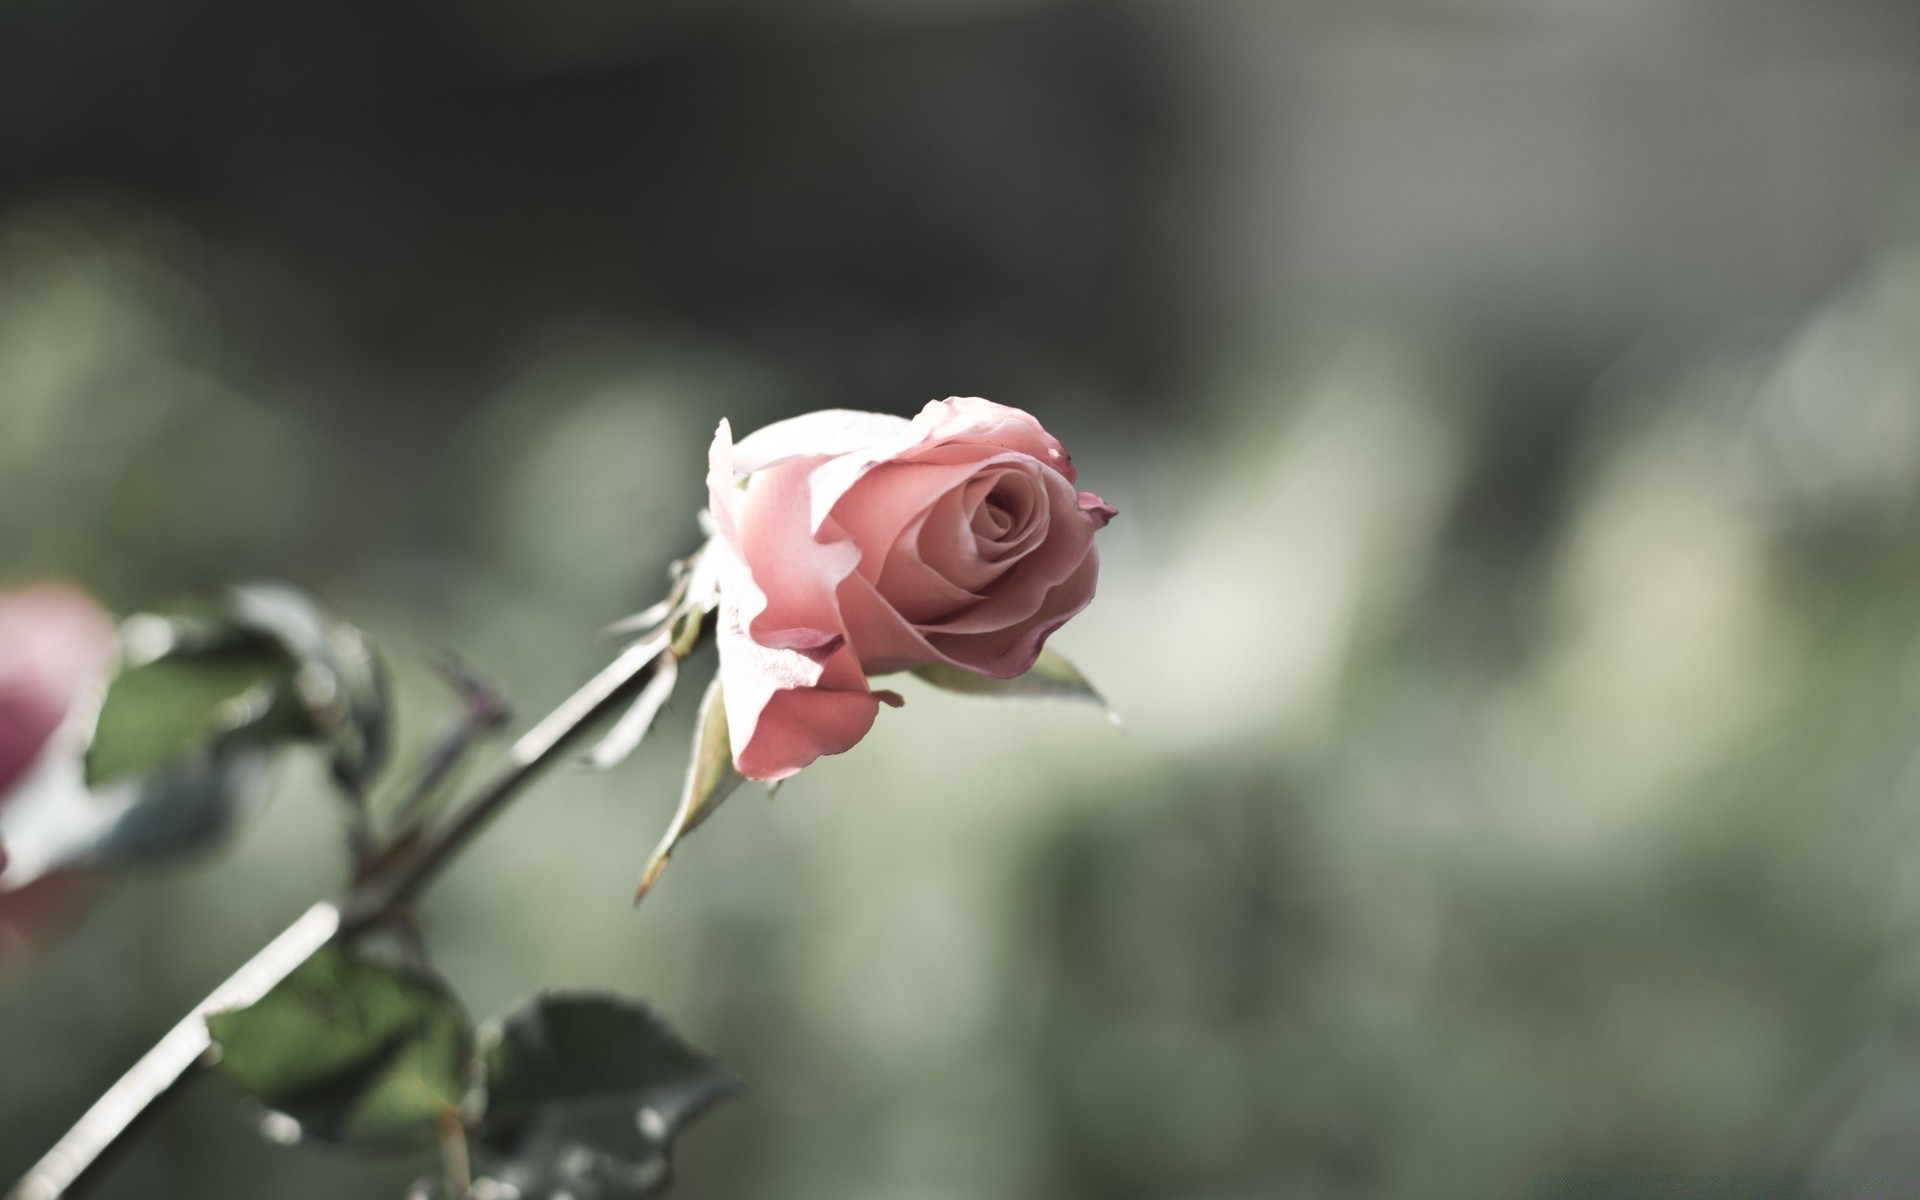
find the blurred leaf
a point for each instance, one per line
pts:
(585, 1095)
(177, 811)
(179, 741)
(258, 663)
(1050, 677)
(55, 821)
(356, 1052)
(176, 710)
(644, 621)
(710, 780)
(340, 679)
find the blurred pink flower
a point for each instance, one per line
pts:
(56, 650)
(863, 544)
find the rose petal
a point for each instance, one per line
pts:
(919, 592)
(794, 571)
(828, 433)
(722, 493)
(1005, 653)
(945, 542)
(946, 431)
(888, 642)
(1097, 510)
(936, 572)
(56, 644)
(982, 422)
(794, 689)
(894, 495)
(863, 544)
(784, 710)
(1022, 505)
(940, 565)
(1022, 592)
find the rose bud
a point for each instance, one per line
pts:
(56, 651)
(863, 544)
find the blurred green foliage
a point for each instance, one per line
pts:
(1514, 603)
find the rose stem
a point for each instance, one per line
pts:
(160, 1071)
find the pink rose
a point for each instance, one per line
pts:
(56, 647)
(863, 544)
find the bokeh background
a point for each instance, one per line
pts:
(1514, 411)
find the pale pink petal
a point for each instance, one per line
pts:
(794, 689)
(784, 708)
(946, 431)
(829, 433)
(835, 477)
(723, 492)
(794, 571)
(982, 422)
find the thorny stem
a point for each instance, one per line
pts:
(535, 749)
(159, 1073)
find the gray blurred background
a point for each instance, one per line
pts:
(1513, 407)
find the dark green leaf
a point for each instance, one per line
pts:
(710, 780)
(585, 1095)
(1050, 677)
(354, 1051)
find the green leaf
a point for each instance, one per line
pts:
(354, 1051)
(710, 780)
(585, 1095)
(256, 664)
(179, 709)
(1050, 677)
(181, 737)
